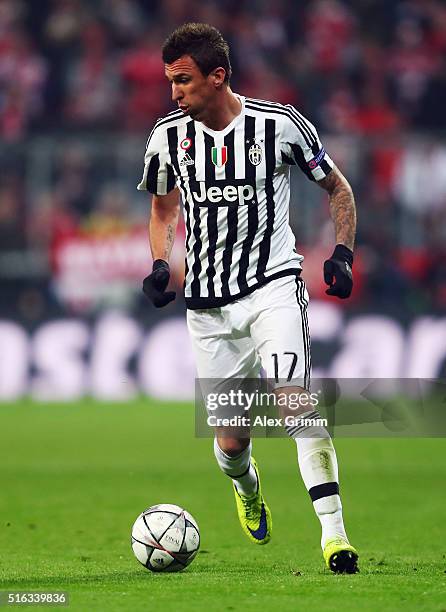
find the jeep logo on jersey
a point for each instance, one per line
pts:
(243, 194)
(219, 155)
(255, 154)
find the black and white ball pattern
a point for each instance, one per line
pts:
(165, 538)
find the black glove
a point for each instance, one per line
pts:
(339, 266)
(154, 285)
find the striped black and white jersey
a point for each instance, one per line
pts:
(235, 187)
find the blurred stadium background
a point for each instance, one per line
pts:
(81, 84)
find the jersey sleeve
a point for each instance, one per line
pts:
(301, 146)
(158, 175)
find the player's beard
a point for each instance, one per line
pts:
(197, 114)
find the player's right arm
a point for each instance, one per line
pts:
(163, 224)
(162, 230)
(159, 179)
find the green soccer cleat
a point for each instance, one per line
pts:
(254, 514)
(340, 556)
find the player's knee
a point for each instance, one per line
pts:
(233, 446)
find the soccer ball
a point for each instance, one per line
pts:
(165, 538)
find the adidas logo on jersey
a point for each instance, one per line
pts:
(187, 160)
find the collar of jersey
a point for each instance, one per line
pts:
(233, 123)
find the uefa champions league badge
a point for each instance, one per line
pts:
(186, 144)
(313, 163)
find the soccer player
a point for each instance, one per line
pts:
(229, 156)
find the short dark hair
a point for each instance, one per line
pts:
(205, 45)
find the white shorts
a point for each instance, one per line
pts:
(267, 329)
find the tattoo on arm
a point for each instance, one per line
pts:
(342, 207)
(163, 221)
(170, 237)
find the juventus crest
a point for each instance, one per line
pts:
(255, 154)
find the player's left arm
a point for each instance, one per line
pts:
(301, 146)
(342, 206)
(338, 269)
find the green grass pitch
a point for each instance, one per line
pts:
(75, 476)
